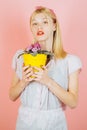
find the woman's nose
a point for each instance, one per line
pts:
(39, 26)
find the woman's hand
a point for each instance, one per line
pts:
(27, 72)
(17, 85)
(41, 75)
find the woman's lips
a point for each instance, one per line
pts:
(39, 33)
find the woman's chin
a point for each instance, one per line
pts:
(41, 39)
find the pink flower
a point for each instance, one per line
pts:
(34, 47)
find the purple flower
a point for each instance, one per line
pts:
(34, 47)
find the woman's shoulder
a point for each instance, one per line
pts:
(73, 58)
(18, 53)
(69, 58)
(74, 62)
(16, 57)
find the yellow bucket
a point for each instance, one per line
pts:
(38, 60)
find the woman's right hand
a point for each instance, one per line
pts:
(27, 72)
(17, 85)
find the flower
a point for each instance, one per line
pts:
(33, 55)
(35, 49)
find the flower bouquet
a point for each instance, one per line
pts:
(35, 56)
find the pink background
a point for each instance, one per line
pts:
(15, 34)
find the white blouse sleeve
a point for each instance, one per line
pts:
(17, 63)
(74, 63)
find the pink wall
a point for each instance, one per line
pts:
(15, 34)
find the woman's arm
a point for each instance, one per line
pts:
(17, 85)
(69, 97)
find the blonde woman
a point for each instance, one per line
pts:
(51, 88)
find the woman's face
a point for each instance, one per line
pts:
(42, 27)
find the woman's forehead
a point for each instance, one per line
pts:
(40, 16)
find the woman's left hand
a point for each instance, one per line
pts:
(41, 75)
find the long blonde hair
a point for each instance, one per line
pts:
(57, 47)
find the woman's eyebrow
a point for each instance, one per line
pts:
(44, 18)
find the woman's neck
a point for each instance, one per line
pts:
(47, 44)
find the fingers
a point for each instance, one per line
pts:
(37, 68)
(40, 69)
(24, 68)
(44, 67)
(40, 73)
(33, 73)
(27, 72)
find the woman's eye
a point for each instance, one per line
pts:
(34, 24)
(45, 22)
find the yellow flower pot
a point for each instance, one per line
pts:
(38, 60)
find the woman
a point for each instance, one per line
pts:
(45, 93)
